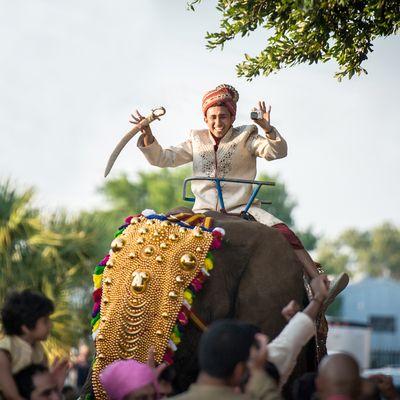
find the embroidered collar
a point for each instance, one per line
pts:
(216, 141)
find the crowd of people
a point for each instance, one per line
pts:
(236, 361)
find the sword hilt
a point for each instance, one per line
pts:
(156, 113)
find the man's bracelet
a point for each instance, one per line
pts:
(318, 300)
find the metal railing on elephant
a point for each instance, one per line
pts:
(217, 181)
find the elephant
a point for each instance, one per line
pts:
(256, 274)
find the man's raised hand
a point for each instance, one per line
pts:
(290, 310)
(148, 134)
(265, 121)
(320, 287)
(258, 352)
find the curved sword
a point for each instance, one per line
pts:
(155, 114)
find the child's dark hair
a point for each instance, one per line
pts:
(24, 379)
(24, 308)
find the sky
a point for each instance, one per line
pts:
(71, 73)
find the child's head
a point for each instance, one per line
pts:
(27, 312)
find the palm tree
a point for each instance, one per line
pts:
(54, 255)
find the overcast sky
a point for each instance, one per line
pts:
(72, 71)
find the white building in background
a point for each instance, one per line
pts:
(375, 302)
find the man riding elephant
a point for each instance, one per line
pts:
(225, 151)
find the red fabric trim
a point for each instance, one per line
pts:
(289, 235)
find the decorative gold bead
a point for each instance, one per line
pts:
(199, 249)
(163, 245)
(104, 319)
(117, 243)
(139, 281)
(107, 281)
(165, 315)
(140, 240)
(165, 223)
(188, 261)
(101, 356)
(100, 337)
(172, 295)
(197, 233)
(149, 222)
(182, 229)
(179, 279)
(159, 259)
(156, 233)
(106, 300)
(173, 237)
(134, 220)
(132, 255)
(159, 332)
(148, 251)
(143, 230)
(110, 263)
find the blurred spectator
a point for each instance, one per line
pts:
(129, 380)
(226, 355)
(338, 378)
(304, 387)
(165, 379)
(384, 385)
(82, 365)
(26, 322)
(35, 382)
(69, 392)
(369, 390)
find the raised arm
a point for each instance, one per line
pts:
(285, 348)
(271, 146)
(170, 157)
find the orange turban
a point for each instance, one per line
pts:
(222, 95)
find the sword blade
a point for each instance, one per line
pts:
(118, 148)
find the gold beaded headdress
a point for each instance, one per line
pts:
(144, 285)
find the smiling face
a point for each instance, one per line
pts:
(219, 120)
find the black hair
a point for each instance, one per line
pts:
(271, 369)
(168, 374)
(69, 392)
(24, 308)
(224, 345)
(24, 379)
(304, 387)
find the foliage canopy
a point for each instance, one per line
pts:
(373, 252)
(306, 31)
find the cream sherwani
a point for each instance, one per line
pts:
(235, 158)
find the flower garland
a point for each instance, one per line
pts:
(189, 294)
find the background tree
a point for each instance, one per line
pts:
(307, 31)
(54, 255)
(375, 252)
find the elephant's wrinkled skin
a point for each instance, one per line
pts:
(256, 274)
